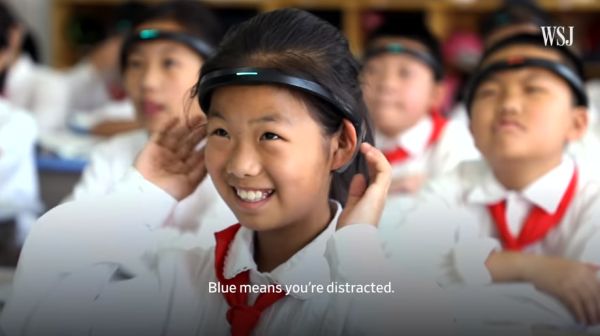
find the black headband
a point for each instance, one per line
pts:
(574, 80)
(257, 76)
(535, 40)
(204, 49)
(398, 48)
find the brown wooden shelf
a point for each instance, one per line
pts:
(442, 15)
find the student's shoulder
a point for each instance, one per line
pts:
(588, 181)
(130, 142)
(114, 228)
(18, 120)
(458, 180)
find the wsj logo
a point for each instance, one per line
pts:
(555, 35)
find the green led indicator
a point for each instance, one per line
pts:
(148, 33)
(395, 47)
(247, 73)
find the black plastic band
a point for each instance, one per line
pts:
(397, 48)
(204, 49)
(575, 82)
(257, 76)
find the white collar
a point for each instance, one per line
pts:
(414, 140)
(545, 192)
(306, 265)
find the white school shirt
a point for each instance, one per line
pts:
(110, 168)
(453, 146)
(453, 213)
(39, 90)
(19, 188)
(88, 88)
(143, 287)
(91, 102)
(454, 234)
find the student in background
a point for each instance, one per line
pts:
(401, 79)
(99, 102)
(19, 190)
(511, 18)
(288, 142)
(528, 213)
(40, 90)
(160, 62)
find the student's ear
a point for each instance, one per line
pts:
(579, 123)
(343, 145)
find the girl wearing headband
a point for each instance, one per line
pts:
(287, 145)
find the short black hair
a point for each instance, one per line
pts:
(413, 29)
(7, 21)
(515, 12)
(195, 18)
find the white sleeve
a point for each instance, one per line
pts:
(406, 303)
(116, 229)
(439, 237)
(98, 176)
(18, 176)
(455, 146)
(50, 102)
(584, 243)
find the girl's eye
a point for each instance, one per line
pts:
(533, 89)
(219, 132)
(169, 62)
(404, 73)
(485, 91)
(270, 136)
(133, 63)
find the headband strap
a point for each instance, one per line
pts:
(397, 48)
(258, 76)
(535, 40)
(566, 73)
(204, 49)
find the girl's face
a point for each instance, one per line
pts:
(159, 76)
(398, 89)
(268, 157)
(526, 113)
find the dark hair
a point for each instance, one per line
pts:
(298, 43)
(7, 21)
(515, 12)
(415, 30)
(195, 18)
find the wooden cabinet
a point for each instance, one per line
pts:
(443, 16)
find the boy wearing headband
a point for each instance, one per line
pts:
(527, 213)
(402, 82)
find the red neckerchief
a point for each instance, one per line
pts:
(399, 154)
(241, 317)
(537, 224)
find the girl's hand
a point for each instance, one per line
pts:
(170, 159)
(576, 284)
(365, 203)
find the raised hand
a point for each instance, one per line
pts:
(170, 159)
(365, 203)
